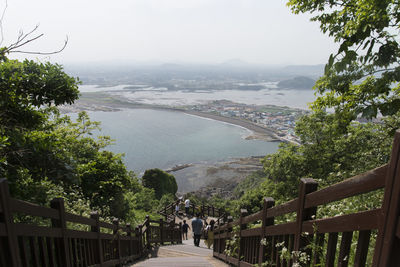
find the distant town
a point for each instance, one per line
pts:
(267, 121)
(279, 120)
(276, 122)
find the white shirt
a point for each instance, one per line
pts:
(187, 203)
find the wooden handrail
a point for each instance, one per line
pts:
(297, 235)
(205, 210)
(59, 245)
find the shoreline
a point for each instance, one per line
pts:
(257, 132)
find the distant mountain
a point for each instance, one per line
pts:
(234, 63)
(300, 82)
(171, 66)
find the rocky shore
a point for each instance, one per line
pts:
(217, 178)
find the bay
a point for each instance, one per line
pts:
(161, 96)
(162, 139)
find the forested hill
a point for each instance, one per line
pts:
(300, 82)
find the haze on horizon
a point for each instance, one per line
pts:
(179, 31)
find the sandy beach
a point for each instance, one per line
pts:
(100, 103)
(258, 131)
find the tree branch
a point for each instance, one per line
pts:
(19, 44)
(1, 23)
(21, 41)
(22, 36)
(36, 52)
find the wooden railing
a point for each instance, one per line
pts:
(205, 210)
(55, 240)
(372, 234)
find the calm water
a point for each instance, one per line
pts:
(161, 96)
(163, 139)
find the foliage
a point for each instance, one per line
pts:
(330, 147)
(361, 79)
(251, 181)
(363, 76)
(195, 199)
(27, 92)
(220, 203)
(328, 154)
(44, 154)
(161, 181)
(141, 203)
(26, 86)
(232, 244)
(165, 200)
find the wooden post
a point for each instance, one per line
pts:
(268, 203)
(243, 213)
(95, 216)
(129, 234)
(230, 220)
(7, 218)
(118, 240)
(136, 248)
(307, 186)
(387, 244)
(217, 242)
(229, 230)
(141, 247)
(169, 232)
(180, 231)
(147, 222)
(161, 225)
(58, 204)
(175, 232)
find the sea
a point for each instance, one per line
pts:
(163, 139)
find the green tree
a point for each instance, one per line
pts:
(362, 77)
(42, 151)
(28, 90)
(161, 181)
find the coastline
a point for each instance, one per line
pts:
(84, 104)
(258, 132)
(221, 175)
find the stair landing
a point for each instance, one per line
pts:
(182, 255)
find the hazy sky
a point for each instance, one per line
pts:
(205, 31)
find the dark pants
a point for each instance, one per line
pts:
(184, 235)
(196, 239)
(187, 210)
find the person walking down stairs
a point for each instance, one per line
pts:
(185, 228)
(187, 206)
(210, 234)
(197, 227)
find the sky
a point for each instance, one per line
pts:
(173, 31)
